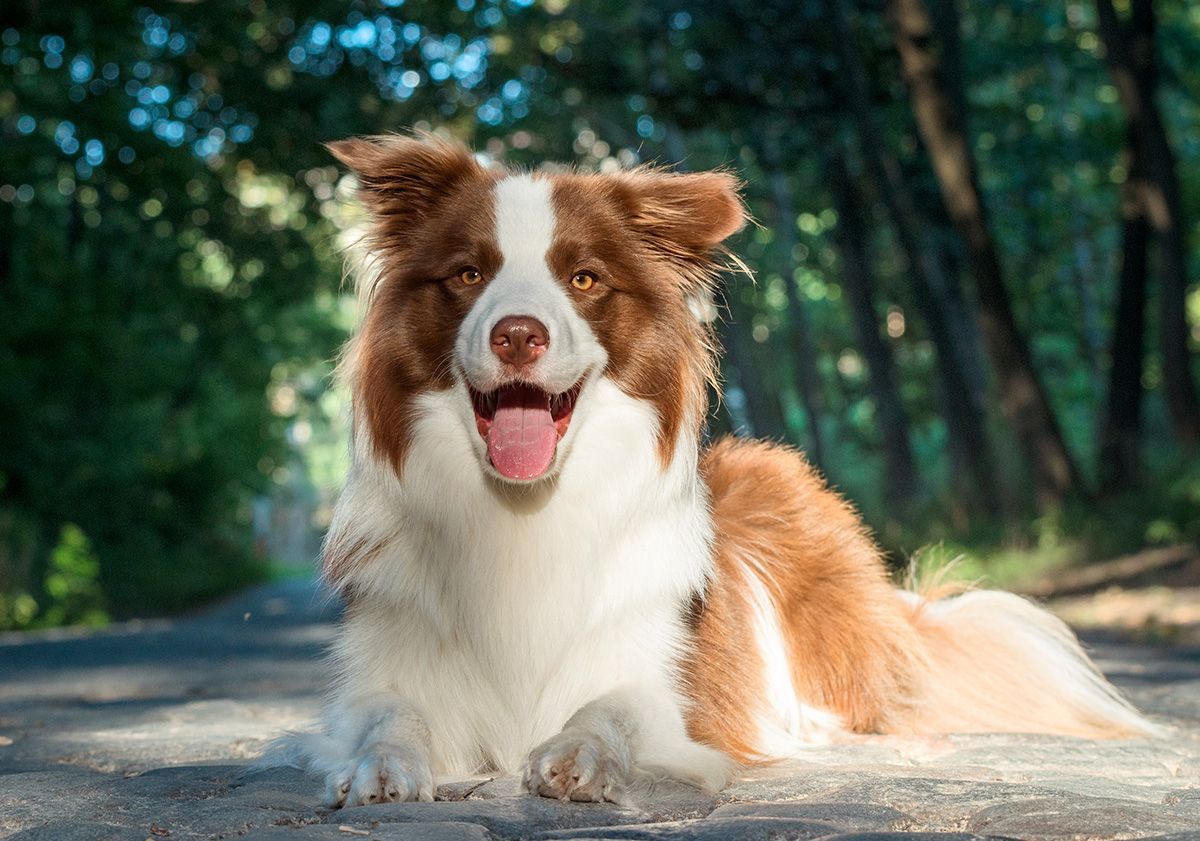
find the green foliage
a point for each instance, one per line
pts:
(72, 587)
(70, 593)
(171, 297)
(1013, 556)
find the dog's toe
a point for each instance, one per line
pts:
(577, 766)
(382, 778)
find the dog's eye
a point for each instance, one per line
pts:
(470, 276)
(583, 281)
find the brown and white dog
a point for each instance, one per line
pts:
(545, 571)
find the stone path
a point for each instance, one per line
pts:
(145, 731)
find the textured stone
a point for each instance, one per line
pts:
(845, 816)
(75, 831)
(417, 831)
(507, 817)
(1079, 818)
(40, 797)
(709, 829)
(108, 732)
(912, 836)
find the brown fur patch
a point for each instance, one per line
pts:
(648, 237)
(857, 648)
(853, 649)
(658, 350)
(433, 212)
(723, 672)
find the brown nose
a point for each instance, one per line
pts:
(519, 339)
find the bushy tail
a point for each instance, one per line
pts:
(999, 663)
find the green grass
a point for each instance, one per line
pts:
(1017, 556)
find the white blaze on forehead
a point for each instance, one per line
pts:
(524, 221)
(525, 285)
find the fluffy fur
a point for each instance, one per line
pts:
(642, 607)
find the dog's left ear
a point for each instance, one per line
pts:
(685, 214)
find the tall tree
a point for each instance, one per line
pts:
(900, 473)
(759, 409)
(1129, 53)
(962, 405)
(1120, 450)
(941, 122)
(1120, 445)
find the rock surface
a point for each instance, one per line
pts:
(147, 731)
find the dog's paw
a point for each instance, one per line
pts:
(380, 776)
(577, 765)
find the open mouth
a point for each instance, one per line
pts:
(522, 425)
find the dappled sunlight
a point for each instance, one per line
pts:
(1151, 614)
(173, 222)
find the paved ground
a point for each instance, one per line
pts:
(145, 731)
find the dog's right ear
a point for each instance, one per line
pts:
(399, 175)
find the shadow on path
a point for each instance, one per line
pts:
(214, 685)
(89, 719)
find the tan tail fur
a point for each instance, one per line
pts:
(801, 635)
(996, 662)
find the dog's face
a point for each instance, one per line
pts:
(519, 292)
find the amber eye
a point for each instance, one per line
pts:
(583, 281)
(470, 276)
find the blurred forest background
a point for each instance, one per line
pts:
(975, 304)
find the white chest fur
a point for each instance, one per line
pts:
(498, 611)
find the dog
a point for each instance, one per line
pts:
(547, 572)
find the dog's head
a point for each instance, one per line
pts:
(520, 291)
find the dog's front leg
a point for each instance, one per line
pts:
(617, 740)
(384, 753)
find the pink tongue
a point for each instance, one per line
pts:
(522, 436)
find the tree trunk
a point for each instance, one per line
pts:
(973, 464)
(943, 129)
(805, 358)
(1129, 53)
(900, 474)
(1120, 454)
(759, 415)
